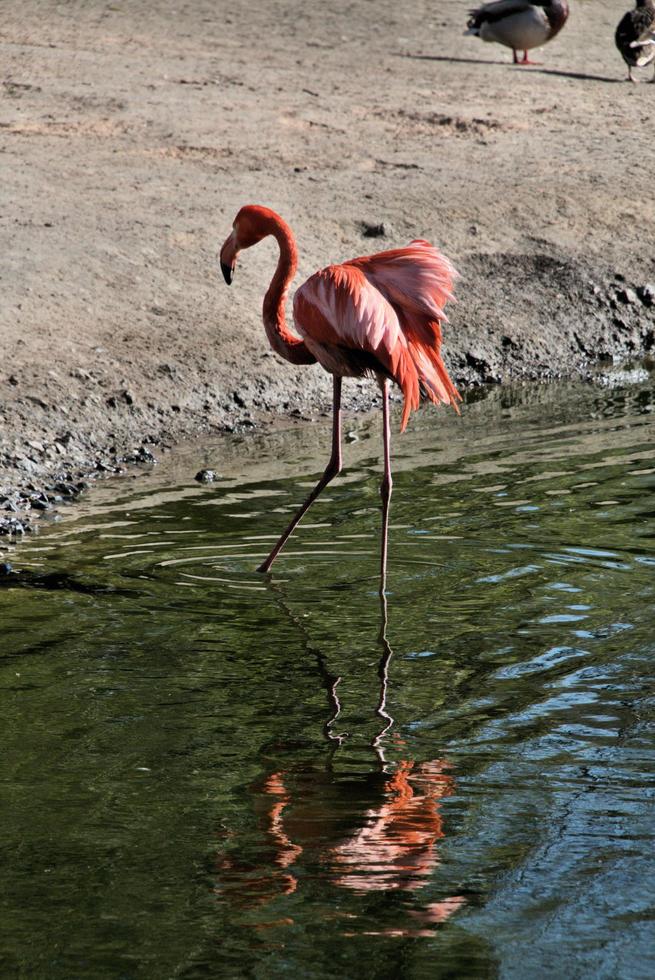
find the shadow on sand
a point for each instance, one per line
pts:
(532, 69)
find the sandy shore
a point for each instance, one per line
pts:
(131, 132)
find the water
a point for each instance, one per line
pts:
(207, 773)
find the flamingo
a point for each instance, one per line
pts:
(378, 315)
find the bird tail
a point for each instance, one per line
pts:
(474, 23)
(407, 378)
(428, 378)
(435, 380)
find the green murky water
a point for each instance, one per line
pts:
(205, 773)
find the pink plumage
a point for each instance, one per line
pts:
(378, 314)
(382, 313)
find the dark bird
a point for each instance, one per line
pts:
(518, 24)
(635, 36)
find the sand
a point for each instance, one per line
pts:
(131, 132)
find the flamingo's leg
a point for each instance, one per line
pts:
(331, 470)
(386, 486)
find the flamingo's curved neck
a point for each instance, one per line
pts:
(281, 340)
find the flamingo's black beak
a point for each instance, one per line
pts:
(228, 256)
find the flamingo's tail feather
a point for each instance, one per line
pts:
(410, 385)
(423, 372)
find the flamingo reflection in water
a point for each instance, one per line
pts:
(378, 834)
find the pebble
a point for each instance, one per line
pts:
(627, 295)
(11, 525)
(206, 476)
(372, 230)
(140, 455)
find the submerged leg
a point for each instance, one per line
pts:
(387, 484)
(331, 470)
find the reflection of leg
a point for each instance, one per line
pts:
(386, 486)
(383, 674)
(331, 470)
(330, 681)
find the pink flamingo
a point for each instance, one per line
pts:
(378, 315)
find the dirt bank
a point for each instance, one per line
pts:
(130, 133)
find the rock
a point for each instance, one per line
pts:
(107, 467)
(125, 396)
(627, 295)
(66, 489)
(477, 361)
(647, 294)
(140, 455)
(205, 476)
(371, 230)
(11, 525)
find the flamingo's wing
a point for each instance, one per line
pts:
(417, 282)
(350, 327)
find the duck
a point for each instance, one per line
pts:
(519, 24)
(635, 36)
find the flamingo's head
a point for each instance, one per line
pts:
(251, 224)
